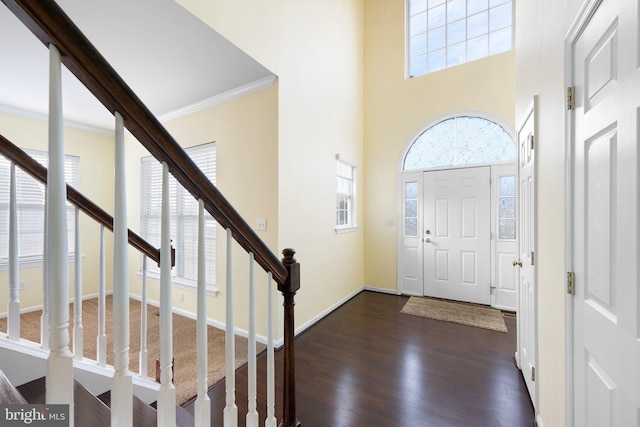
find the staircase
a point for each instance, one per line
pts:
(120, 405)
(92, 410)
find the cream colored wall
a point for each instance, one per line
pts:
(397, 108)
(540, 70)
(245, 132)
(315, 48)
(96, 182)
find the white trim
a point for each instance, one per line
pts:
(531, 111)
(346, 229)
(43, 117)
(539, 422)
(220, 98)
(311, 322)
(380, 290)
(587, 10)
(508, 127)
(348, 161)
(178, 282)
(39, 307)
(211, 322)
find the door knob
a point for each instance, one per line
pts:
(518, 263)
(428, 240)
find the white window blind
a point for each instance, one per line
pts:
(183, 216)
(30, 195)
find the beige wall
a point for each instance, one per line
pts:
(315, 48)
(96, 182)
(397, 108)
(245, 132)
(540, 70)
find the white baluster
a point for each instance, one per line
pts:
(44, 319)
(252, 412)
(143, 321)
(203, 405)
(271, 384)
(167, 392)
(59, 379)
(230, 410)
(78, 344)
(122, 383)
(13, 319)
(101, 347)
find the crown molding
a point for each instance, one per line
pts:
(221, 98)
(40, 117)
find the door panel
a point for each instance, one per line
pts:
(527, 337)
(457, 234)
(606, 349)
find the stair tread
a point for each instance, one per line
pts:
(8, 393)
(94, 410)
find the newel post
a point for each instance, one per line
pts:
(288, 290)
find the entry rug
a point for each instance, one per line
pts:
(464, 314)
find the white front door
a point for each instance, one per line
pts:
(527, 335)
(604, 218)
(457, 250)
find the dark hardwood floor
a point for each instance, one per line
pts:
(368, 365)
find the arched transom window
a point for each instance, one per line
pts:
(460, 141)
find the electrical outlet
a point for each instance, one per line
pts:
(23, 285)
(261, 224)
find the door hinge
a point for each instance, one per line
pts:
(571, 283)
(570, 98)
(532, 258)
(533, 373)
(531, 141)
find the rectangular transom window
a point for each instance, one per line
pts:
(345, 195)
(183, 217)
(30, 195)
(444, 33)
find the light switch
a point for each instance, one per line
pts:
(389, 222)
(261, 224)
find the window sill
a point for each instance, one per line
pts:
(31, 261)
(346, 229)
(177, 282)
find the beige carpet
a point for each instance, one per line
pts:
(184, 347)
(462, 313)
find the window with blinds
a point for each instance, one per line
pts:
(30, 196)
(183, 217)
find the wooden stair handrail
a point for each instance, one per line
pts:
(31, 166)
(52, 26)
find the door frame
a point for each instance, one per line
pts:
(581, 20)
(531, 113)
(402, 174)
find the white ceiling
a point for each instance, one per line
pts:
(169, 58)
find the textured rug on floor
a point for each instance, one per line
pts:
(462, 313)
(184, 347)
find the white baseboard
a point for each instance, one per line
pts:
(381, 290)
(39, 307)
(326, 312)
(539, 422)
